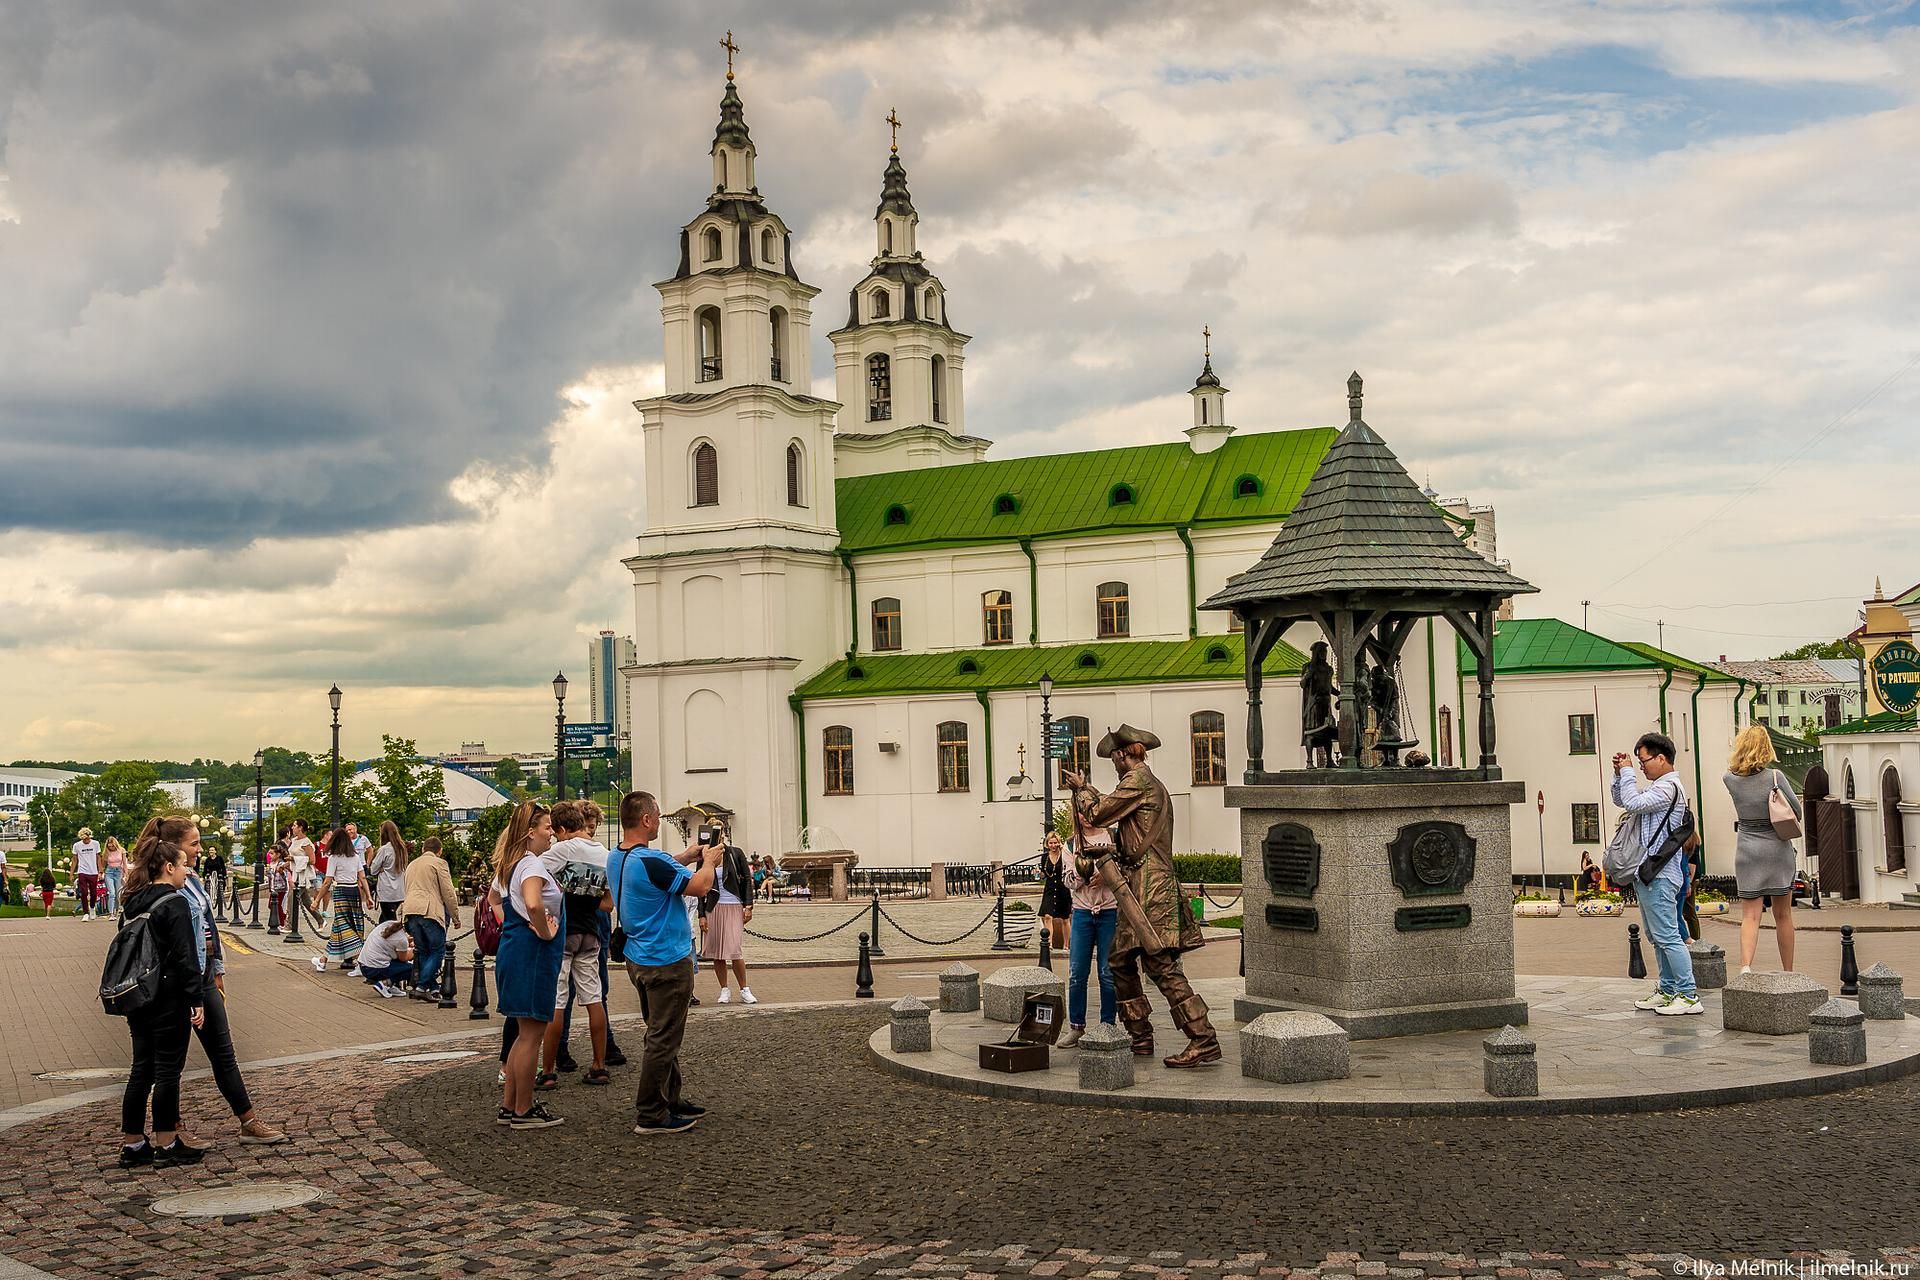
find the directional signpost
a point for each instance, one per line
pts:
(1059, 742)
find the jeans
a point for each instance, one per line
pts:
(216, 1038)
(664, 992)
(115, 877)
(430, 946)
(1660, 913)
(1090, 940)
(398, 971)
(566, 1019)
(159, 1052)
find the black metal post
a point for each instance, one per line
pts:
(259, 841)
(449, 993)
(1636, 963)
(560, 741)
(1000, 922)
(294, 895)
(875, 948)
(1046, 944)
(477, 992)
(1046, 763)
(1849, 969)
(863, 976)
(1243, 941)
(333, 795)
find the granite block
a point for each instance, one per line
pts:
(1106, 1058)
(1881, 993)
(1004, 994)
(1291, 1048)
(1837, 1035)
(959, 988)
(1770, 1004)
(911, 1029)
(1709, 965)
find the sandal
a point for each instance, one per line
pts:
(597, 1075)
(547, 1080)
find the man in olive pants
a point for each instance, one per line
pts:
(650, 891)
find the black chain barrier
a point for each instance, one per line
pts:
(929, 942)
(812, 937)
(1213, 902)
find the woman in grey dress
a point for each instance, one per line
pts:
(1763, 864)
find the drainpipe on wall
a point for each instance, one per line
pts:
(800, 732)
(1033, 592)
(853, 603)
(1663, 697)
(1738, 694)
(1460, 703)
(1698, 825)
(986, 712)
(1193, 603)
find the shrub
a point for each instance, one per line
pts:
(1597, 896)
(1532, 895)
(1207, 868)
(1709, 895)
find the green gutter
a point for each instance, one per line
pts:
(853, 603)
(1663, 697)
(986, 710)
(1699, 826)
(1433, 696)
(1460, 698)
(1033, 592)
(1193, 600)
(800, 731)
(1738, 694)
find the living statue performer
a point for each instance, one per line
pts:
(1153, 937)
(1318, 728)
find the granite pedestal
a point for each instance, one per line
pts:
(1004, 994)
(1385, 906)
(1880, 993)
(959, 988)
(1294, 1047)
(1770, 1004)
(1837, 1036)
(1106, 1058)
(911, 1026)
(1510, 1069)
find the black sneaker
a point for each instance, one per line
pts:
(537, 1117)
(685, 1108)
(566, 1063)
(693, 1000)
(615, 1058)
(138, 1156)
(505, 1116)
(672, 1124)
(177, 1153)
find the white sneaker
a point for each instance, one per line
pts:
(1682, 1004)
(1745, 969)
(726, 995)
(1655, 1002)
(319, 963)
(747, 996)
(386, 992)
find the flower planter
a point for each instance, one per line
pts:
(1711, 908)
(1536, 908)
(1598, 908)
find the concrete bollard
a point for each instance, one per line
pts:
(1106, 1058)
(1293, 1048)
(1838, 1036)
(1709, 965)
(1510, 1069)
(1881, 994)
(959, 989)
(911, 1029)
(937, 882)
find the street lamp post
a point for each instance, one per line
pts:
(1046, 755)
(560, 733)
(259, 850)
(333, 800)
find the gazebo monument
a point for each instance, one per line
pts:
(1378, 888)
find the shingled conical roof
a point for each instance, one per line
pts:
(732, 129)
(1363, 524)
(894, 197)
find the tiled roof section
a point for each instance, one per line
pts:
(1056, 495)
(1910, 596)
(1777, 671)
(1363, 523)
(1675, 662)
(1019, 667)
(1879, 722)
(1840, 670)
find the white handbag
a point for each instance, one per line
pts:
(1780, 811)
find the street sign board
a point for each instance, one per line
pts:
(1058, 750)
(591, 728)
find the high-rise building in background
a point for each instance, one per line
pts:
(608, 700)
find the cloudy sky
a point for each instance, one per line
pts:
(320, 324)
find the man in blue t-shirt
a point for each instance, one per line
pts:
(650, 889)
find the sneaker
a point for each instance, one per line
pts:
(136, 1156)
(693, 1001)
(353, 971)
(565, 1062)
(1655, 1002)
(691, 1110)
(178, 1153)
(1745, 969)
(505, 1116)
(615, 1058)
(1682, 1004)
(536, 1117)
(747, 996)
(386, 992)
(258, 1133)
(319, 963)
(501, 1076)
(726, 995)
(672, 1124)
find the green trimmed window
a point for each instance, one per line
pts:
(896, 514)
(1209, 739)
(968, 667)
(1217, 653)
(996, 616)
(1247, 487)
(1086, 662)
(1580, 735)
(838, 741)
(886, 624)
(951, 740)
(1005, 505)
(1111, 619)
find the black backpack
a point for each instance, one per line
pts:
(130, 981)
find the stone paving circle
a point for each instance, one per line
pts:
(88, 1075)
(239, 1199)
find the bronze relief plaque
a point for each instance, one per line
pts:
(1431, 857)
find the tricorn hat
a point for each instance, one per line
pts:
(1126, 736)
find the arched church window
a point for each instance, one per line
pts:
(933, 305)
(939, 388)
(707, 326)
(1893, 822)
(886, 624)
(886, 235)
(882, 305)
(796, 471)
(879, 387)
(1112, 621)
(768, 243)
(710, 245)
(1203, 411)
(777, 342)
(996, 611)
(723, 171)
(706, 475)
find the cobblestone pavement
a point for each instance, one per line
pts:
(811, 1164)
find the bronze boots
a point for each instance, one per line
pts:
(1137, 1014)
(1203, 1045)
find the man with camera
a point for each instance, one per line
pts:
(1660, 807)
(651, 889)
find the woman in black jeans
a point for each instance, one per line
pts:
(155, 871)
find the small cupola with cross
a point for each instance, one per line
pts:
(1209, 430)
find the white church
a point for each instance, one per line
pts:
(844, 610)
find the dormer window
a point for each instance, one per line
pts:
(769, 247)
(1005, 505)
(1121, 495)
(896, 514)
(1246, 487)
(710, 245)
(880, 304)
(933, 305)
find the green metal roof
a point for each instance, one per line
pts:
(1676, 662)
(1059, 495)
(1878, 722)
(1523, 645)
(1020, 667)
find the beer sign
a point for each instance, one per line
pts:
(1896, 677)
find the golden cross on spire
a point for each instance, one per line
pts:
(893, 119)
(731, 49)
(1206, 341)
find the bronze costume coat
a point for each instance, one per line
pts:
(1143, 811)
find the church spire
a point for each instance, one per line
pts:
(894, 218)
(1209, 430)
(732, 148)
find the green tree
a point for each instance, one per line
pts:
(114, 802)
(1840, 650)
(509, 775)
(412, 793)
